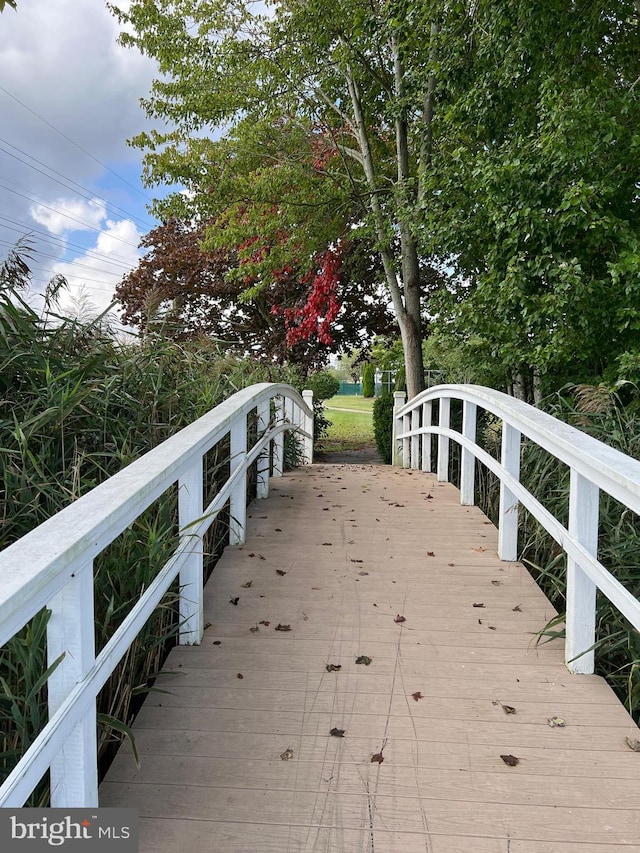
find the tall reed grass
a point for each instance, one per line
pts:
(76, 405)
(614, 420)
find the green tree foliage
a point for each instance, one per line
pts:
(536, 184)
(368, 380)
(323, 385)
(328, 108)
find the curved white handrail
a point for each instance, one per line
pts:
(52, 566)
(594, 466)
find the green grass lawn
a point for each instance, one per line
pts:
(348, 430)
(362, 404)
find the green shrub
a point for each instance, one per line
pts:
(401, 379)
(368, 380)
(383, 426)
(323, 385)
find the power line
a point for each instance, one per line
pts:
(64, 244)
(69, 263)
(66, 215)
(88, 194)
(77, 145)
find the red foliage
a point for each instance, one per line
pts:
(321, 306)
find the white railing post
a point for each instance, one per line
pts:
(264, 460)
(70, 631)
(238, 496)
(399, 398)
(191, 580)
(426, 437)
(468, 460)
(415, 440)
(406, 442)
(307, 422)
(508, 512)
(444, 417)
(278, 441)
(584, 500)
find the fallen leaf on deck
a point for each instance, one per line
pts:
(356, 561)
(264, 622)
(250, 555)
(492, 627)
(239, 675)
(351, 542)
(556, 722)
(287, 754)
(333, 667)
(247, 584)
(509, 709)
(327, 543)
(280, 627)
(451, 564)
(280, 572)
(478, 604)
(429, 497)
(217, 643)
(479, 621)
(632, 743)
(234, 601)
(417, 695)
(207, 625)
(337, 732)
(362, 574)
(255, 629)
(377, 758)
(325, 509)
(278, 529)
(261, 557)
(305, 618)
(517, 609)
(479, 549)
(496, 583)
(430, 554)
(363, 658)
(399, 618)
(511, 760)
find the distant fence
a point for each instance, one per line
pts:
(350, 388)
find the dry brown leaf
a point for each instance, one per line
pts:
(363, 659)
(254, 630)
(399, 618)
(509, 709)
(337, 732)
(280, 627)
(234, 601)
(511, 760)
(287, 754)
(333, 667)
(264, 622)
(239, 675)
(377, 758)
(556, 722)
(280, 572)
(417, 695)
(517, 609)
(247, 584)
(478, 604)
(632, 743)
(430, 554)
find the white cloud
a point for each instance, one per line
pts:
(64, 215)
(93, 275)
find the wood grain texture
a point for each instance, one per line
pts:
(361, 546)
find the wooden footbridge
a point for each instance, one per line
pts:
(365, 676)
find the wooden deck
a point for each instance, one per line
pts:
(338, 553)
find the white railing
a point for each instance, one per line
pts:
(52, 567)
(594, 466)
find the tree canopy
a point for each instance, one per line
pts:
(487, 152)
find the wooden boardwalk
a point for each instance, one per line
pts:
(339, 553)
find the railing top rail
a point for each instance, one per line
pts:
(610, 469)
(35, 567)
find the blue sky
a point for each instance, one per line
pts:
(69, 100)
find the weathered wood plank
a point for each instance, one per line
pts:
(211, 775)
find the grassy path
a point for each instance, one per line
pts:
(351, 424)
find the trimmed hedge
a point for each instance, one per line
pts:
(383, 425)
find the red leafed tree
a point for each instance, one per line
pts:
(302, 318)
